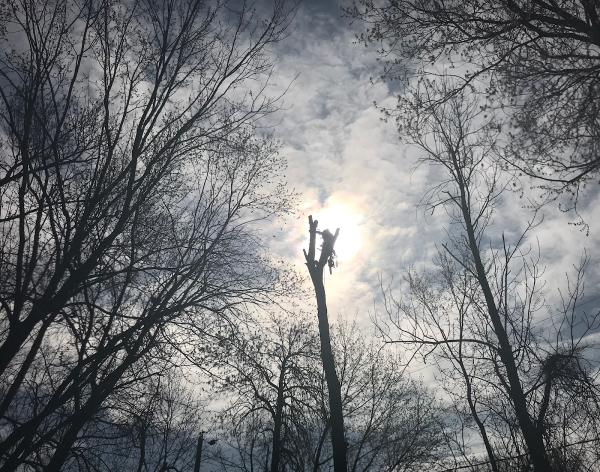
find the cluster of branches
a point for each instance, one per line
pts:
(130, 170)
(489, 87)
(154, 425)
(280, 418)
(536, 60)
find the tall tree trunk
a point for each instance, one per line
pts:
(199, 452)
(531, 434)
(315, 268)
(278, 420)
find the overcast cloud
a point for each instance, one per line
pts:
(351, 170)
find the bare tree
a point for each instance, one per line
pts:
(129, 171)
(391, 421)
(153, 426)
(269, 373)
(280, 403)
(477, 314)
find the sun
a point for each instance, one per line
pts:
(342, 213)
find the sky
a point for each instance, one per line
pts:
(346, 164)
(351, 171)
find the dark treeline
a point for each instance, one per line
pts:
(142, 320)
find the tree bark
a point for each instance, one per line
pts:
(315, 268)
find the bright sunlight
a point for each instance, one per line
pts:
(339, 211)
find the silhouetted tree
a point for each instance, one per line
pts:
(129, 169)
(280, 402)
(270, 374)
(475, 314)
(153, 426)
(391, 421)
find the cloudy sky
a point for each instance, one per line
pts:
(352, 171)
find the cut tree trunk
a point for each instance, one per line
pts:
(315, 268)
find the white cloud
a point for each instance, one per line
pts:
(345, 162)
(351, 170)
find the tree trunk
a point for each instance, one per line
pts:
(317, 460)
(278, 420)
(315, 268)
(333, 385)
(531, 435)
(199, 452)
